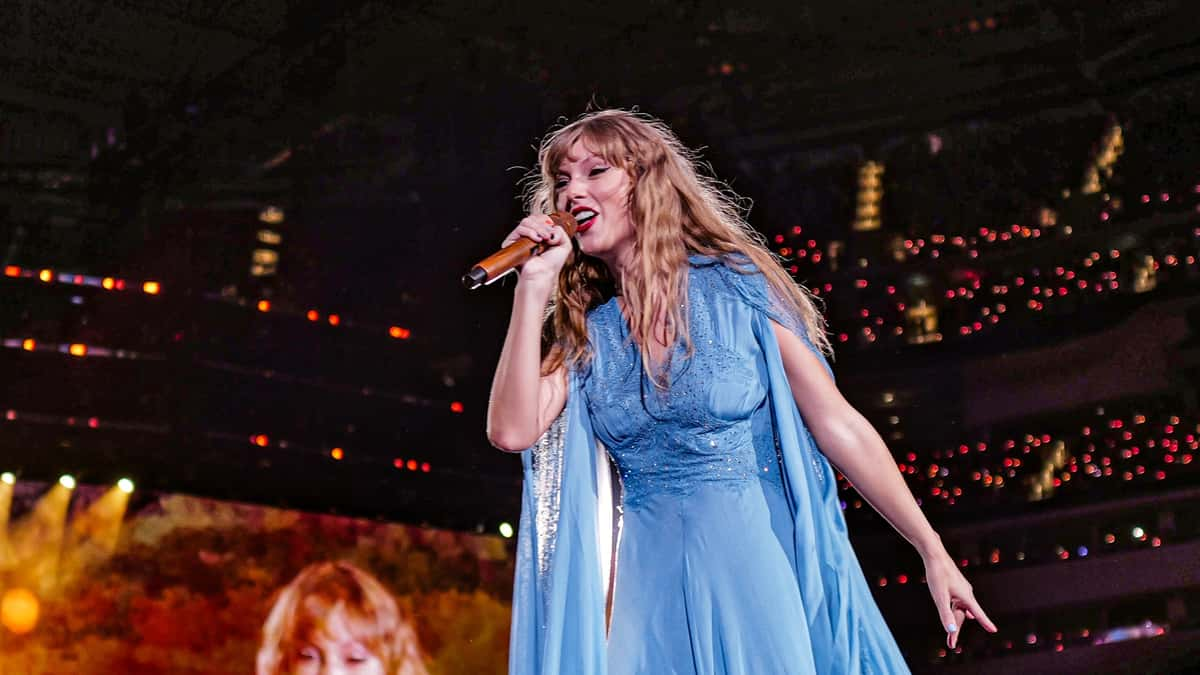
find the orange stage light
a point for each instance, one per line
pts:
(19, 610)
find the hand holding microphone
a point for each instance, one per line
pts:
(539, 245)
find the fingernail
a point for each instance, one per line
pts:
(951, 628)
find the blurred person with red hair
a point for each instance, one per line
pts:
(336, 619)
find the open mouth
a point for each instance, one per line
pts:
(584, 217)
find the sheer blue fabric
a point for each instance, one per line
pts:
(733, 555)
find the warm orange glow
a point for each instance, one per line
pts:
(412, 465)
(456, 407)
(272, 215)
(399, 333)
(334, 319)
(151, 287)
(78, 349)
(12, 271)
(28, 344)
(46, 275)
(108, 283)
(19, 610)
(313, 315)
(260, 440)
(337, 453)
(264, 305)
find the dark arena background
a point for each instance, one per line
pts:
(235, 342)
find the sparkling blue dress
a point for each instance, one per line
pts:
(731, 553)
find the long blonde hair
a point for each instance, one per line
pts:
(676, 210)
(371, 613)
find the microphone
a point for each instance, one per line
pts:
(514, 255)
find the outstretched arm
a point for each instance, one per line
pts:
(853, 445)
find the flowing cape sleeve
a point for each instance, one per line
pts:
(559, 589)
(848, 633)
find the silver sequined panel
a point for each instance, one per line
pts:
(547, 471)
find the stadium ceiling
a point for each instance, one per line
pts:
(826, 67)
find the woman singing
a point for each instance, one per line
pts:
(681, 352)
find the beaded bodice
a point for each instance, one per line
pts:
(712, 423)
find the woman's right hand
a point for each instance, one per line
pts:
(543, 268)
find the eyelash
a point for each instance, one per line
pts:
(354, 659)
(561, 183)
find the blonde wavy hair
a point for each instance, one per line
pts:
(371, 614)
(676, 210)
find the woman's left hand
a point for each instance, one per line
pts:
(953, 597)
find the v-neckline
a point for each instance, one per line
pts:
(669, 352)
(657, 362)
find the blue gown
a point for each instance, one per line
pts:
(732, 555)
